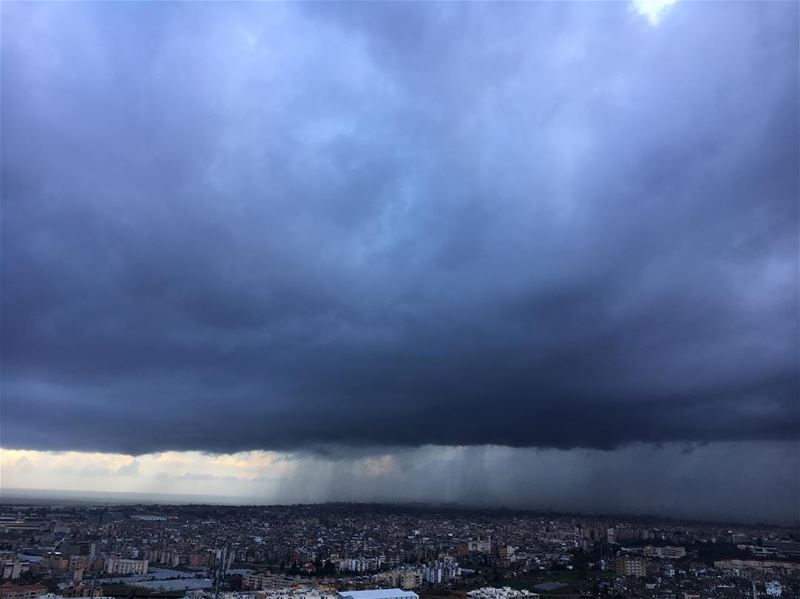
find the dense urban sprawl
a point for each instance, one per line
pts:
(331, 551)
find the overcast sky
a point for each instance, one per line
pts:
(547, 237)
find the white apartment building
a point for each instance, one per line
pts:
(379, 594)
(667, 552)
(124, 567)
(501, 593)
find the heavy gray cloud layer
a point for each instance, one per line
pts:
(718, 481)
(229, 227)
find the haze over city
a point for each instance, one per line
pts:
(533, 255)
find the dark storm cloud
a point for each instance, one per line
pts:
(247, 226)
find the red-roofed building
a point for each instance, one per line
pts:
(24, 591)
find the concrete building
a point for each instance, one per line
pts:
(267, 581)
(409, 579)
(774, 588)
(21, 525)
(296, 592)
(55, 561)
(765, 566)
(26, 591)
(630, 566)
(78, 548)
(501, 593)
(80, 562)
(379, 594)
(124, 567)
(667, 552)
(406, 578)
(360, 564)
(440, 572)
(790, 548)
(481, 546)
(12, 568)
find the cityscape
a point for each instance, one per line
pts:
(389, 299)
(381, 551)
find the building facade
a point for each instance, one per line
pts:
(379, 594)
(124, 567)
(630, 566)
(26, 591)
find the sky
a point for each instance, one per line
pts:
(529, 254)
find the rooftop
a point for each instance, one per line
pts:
(378, 594)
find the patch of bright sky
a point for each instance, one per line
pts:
(185, 472)
(652, 10)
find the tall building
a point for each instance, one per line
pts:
(630, 566)
(410, 579)
(78, 548)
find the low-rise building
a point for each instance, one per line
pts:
(501, 593)
(296, 592)
(25, 591)
(379, 594)
(667, 552)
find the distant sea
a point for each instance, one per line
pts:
(68, 497)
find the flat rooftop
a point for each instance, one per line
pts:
(378, 594)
